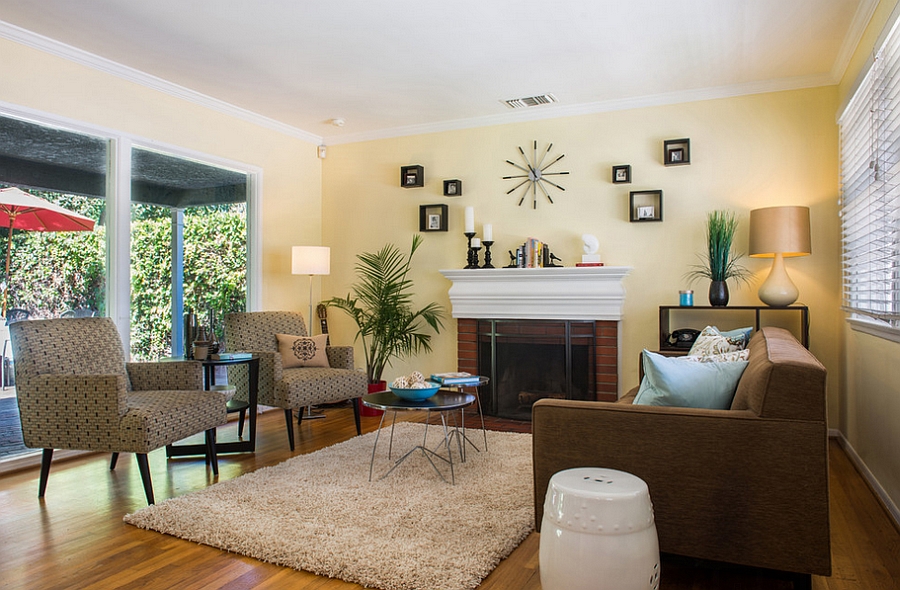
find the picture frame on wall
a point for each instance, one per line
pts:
(433, 218)
(645, 205)
(621, 174)
(412, 176)
(677, 152)
(452, 188)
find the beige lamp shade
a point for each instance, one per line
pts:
(779, 232)
(310, 260)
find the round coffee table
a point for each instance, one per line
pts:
(441, 402)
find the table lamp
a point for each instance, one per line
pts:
(310, 260)
(778, 233)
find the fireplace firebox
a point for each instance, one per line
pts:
(527, 360)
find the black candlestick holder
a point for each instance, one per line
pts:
(471, 255)
(487, 254)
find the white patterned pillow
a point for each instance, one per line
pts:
(711, 342)
(302, 351)
(725, 357)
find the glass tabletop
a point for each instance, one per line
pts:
(441, 401)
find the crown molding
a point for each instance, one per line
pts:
(41, 43)
(558, 111)
(851, 41)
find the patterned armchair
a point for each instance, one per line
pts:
(75, 391)
(296, 388)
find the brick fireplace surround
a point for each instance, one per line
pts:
(527, 297)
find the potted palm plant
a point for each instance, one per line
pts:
(381, 305)
(720, 261)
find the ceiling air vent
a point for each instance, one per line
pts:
(530, 101)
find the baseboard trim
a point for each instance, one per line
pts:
(867, 475)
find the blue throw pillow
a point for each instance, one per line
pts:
(674, 381)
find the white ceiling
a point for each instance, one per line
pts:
(397, 67)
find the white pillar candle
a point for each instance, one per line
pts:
(488, 232)
(470, 220)
(476, 243)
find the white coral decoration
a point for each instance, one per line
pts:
(400, 383)
(414, 380)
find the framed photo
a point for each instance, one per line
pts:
(433, 218)
(645, 205)
(452, 188)
(677, 152)
(412, 176)
(621, 174)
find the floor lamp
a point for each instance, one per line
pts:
(311, 260)
(779, 233)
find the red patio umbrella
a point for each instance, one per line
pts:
(20, 210)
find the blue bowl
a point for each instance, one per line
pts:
(417, 394)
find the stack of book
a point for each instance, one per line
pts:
(455, 378)
(533, 254)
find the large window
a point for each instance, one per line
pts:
(172, 230)
(870, 191)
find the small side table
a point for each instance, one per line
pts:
(442, 402)
(209, 380)
(460, 388)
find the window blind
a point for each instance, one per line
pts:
(870, 190)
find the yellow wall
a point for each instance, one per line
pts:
(746, 152)
(291, 171)
(870, 406)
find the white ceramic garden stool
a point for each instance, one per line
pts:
(598, 532)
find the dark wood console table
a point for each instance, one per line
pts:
(672, 317)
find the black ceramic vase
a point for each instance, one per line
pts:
(718, 294)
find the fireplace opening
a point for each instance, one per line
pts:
(528, 360)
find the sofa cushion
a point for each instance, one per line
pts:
(679, 382)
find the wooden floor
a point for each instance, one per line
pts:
(75, 537)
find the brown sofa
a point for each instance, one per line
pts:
(748, 485)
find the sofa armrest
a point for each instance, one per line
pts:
(176, 375)
(726, 485)
(340, 357)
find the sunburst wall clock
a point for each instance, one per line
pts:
(535, 172)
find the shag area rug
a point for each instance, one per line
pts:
(408, 531)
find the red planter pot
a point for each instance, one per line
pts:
(373, 388)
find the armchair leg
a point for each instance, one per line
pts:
(113, 460)
(144, 468)
(356, 402)
(45, 471)
(211, 457)
(289, 419)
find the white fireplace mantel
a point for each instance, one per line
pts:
(561, 293)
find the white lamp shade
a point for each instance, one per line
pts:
(310, 260)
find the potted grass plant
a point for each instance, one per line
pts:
(380, 303)
(720, 261)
